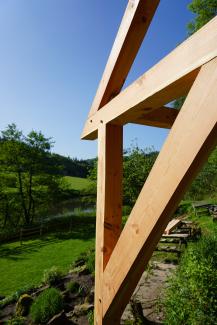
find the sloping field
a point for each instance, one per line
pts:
(76, 183)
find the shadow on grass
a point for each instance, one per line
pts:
(80, 231)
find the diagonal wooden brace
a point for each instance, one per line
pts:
(191, 139)
(134, 25)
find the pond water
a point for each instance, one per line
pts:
(74, 206)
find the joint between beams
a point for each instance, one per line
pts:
(109, 226)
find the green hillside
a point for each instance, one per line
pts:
(76, 183)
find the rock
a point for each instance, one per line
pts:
(60, 319)
(84, 271)
(90, 297)
(79, 262)
(83, 309)
(81, 270)
(23, 305)
(70, 314)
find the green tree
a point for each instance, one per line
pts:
(206, 182)
(204, 11)
(137, 166)
(28, 159)
(9, 209)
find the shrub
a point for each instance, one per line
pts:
(190, 298)
(23, 305)
(46, 305)
(6, 301)
(90, 261)
(73, 287)
(27, 288)
(16, 295)
(17, 320)
(52, 276)
(184, 208)
(90, 317)
(87, 258)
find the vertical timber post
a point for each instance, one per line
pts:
(109, 205)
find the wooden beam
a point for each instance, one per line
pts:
(191, 139)
(134, 25)
(163, 117)
(170, 78)
(174, 223)
(109, 204)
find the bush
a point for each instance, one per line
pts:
(90, 261)
(26, 289)
(90, 318)
(6, 301)
(184, 208)
(17, 320)
(46, 305)
(52, 276)
(16, 295)
(73, 287)
(87, 258)
(191, 298)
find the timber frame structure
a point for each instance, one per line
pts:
(121, 256)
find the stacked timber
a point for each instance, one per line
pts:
(177, 233)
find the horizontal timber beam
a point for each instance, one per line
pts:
(134, 25)
(163, 117)
(191, 139)
(170, 78)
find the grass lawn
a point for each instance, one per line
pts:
(24, 265)
(207, 225)
(76, 183)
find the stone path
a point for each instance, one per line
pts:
(148, 292)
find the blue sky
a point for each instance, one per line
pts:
(52, 55)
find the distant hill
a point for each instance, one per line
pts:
(73, 167)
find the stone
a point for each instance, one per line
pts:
(60, 319)
(90, 297)
(83, 309)
(84, 271)
(23, 305)
(81, 270)
(79, 262)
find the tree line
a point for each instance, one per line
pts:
(31, 176)
(137, 164)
